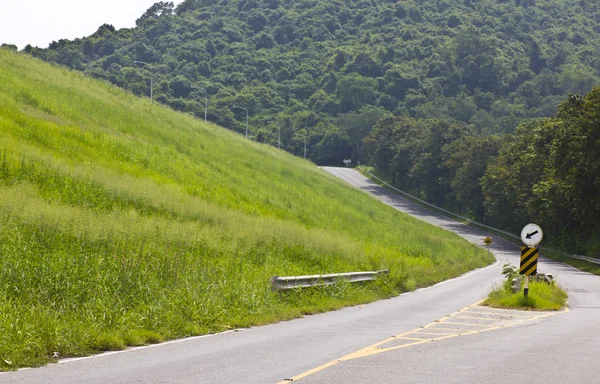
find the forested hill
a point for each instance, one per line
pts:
(331, 68)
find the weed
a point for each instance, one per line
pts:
(541, 295)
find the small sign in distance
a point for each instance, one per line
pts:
(487, 241)
(531, 235)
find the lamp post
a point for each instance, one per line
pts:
(151, 75)
(205, 101)
(278, 133)
(304, 136)
(235, 106)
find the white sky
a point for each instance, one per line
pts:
(39, 22)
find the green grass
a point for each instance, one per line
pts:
(541, 297)
(124, 223)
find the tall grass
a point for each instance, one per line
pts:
(124, 223)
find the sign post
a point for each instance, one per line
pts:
(531, 235)
(488, 241)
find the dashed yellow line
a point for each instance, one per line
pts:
(430, 329)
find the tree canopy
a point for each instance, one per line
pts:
(488, 64)
(547, 172)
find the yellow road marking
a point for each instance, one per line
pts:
(435, 333)
(458, 330)
(467, 324)
(491, 313)
(437, 329)
(478, 318)
(470, 307)
(379, 346)
(308, 373)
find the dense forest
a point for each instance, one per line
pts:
(547, 172)
(325, 71)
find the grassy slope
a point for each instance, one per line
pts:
(123, 223)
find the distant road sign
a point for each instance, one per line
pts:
(531, 234)
(487, 241)
(529, 259)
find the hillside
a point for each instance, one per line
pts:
(331, 68)
(123, 222)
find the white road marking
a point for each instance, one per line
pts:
(176, 341)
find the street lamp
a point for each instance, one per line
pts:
(278, 133)
(235, 106)
(205, 101)
(151, 75)
(304, 136)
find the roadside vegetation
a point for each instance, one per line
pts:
(542, 296)
(547, 172)
(124, 223)
(386, 182)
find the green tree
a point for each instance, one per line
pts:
(355, 90)
(467, 160)
(355, 126)
(156, 10)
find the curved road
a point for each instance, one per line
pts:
(433, 335)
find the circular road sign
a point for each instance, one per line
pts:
(531, 234)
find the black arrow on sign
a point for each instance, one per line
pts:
(531, 234)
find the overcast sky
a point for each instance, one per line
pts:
(39, 22)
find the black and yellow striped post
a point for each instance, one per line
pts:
(529, 259)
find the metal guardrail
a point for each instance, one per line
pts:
(466, 219)
(281, 283)
(469, 221)
(579, 257)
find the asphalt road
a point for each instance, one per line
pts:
(440, 336)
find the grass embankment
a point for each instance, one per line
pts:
(125, 223)
(541, 297)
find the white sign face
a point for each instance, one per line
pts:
(531, 235)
